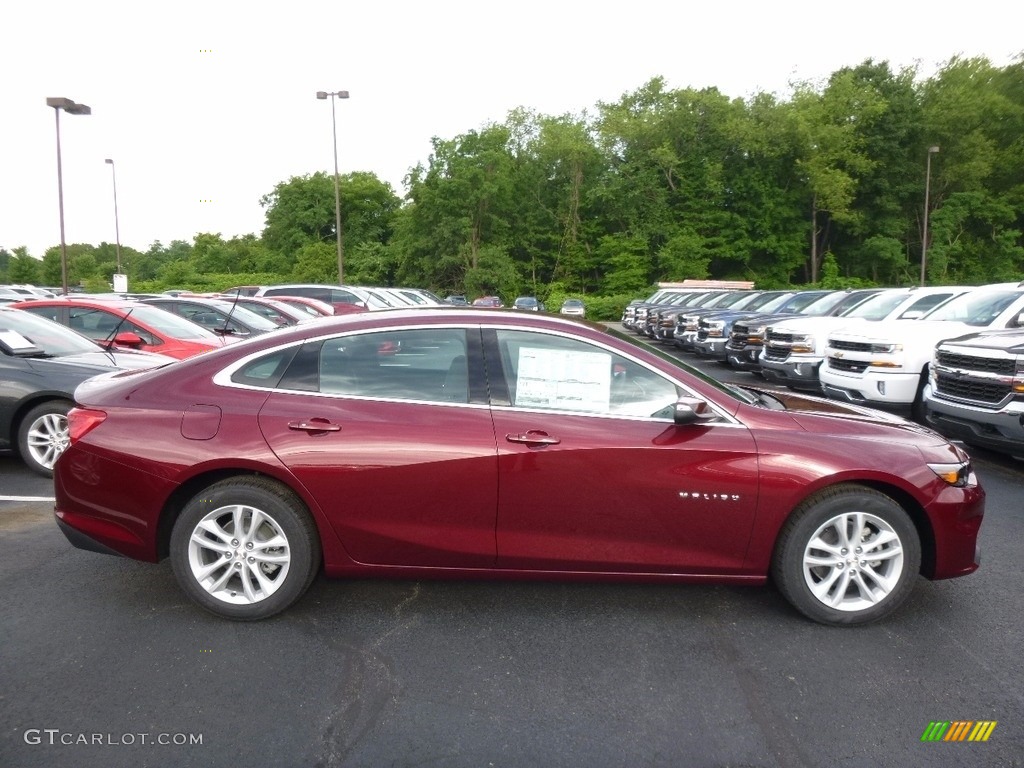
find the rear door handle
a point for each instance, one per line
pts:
(533, 437)
(314, 425)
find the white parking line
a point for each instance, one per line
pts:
(27, 498)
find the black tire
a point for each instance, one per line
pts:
(918, 409)
(852, 586)
(43, 436)
(219, 583)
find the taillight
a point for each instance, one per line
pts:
(82, 421)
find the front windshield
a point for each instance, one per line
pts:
(813, 303)
(246, 316)
(170, 324)
(879, 306)
(979, 308)
(775, 303)
(55, 340)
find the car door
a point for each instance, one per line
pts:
(391, 433)
(594, 475)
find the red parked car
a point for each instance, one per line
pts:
(440, 442)
(494, 302)
(127, 324)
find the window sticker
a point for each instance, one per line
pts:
(559, 378)
(15, 341)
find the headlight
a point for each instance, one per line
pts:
(886, 349)
(958, 475)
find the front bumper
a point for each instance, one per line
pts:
(872, 388)
(745, 359)
(798, 373)
(710, 348)
(1001, 431)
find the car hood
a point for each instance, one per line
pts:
(819, 416)
(916, 332)
(764, 318)
(104, 362)
(1010, 341)
(805, 324)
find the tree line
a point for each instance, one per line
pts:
(824, 187)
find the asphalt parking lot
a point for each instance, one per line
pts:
(105, 663)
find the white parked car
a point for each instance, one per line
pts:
(795, 349)
(888, 366)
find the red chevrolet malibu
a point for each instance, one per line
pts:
(422, 443)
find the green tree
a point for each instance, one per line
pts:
(22, 268)
(301, 212)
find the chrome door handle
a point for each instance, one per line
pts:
(314, 425)
(533, 437)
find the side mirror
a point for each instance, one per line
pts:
(692, 410)
(128, 339)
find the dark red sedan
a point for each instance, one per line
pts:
(440, 442)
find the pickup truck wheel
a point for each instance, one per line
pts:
(847, 555)
(918, 410)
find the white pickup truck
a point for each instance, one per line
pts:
(794, 349)
(887, 367)
(975, 390)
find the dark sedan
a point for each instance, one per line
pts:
(41, 363)
(577, 453)
(222, 316)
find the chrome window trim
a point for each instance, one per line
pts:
(223, 377)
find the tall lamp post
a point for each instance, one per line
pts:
(337, 194)
(924, 230)
(117, 226)
(58, 103)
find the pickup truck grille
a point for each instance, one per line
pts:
(1001, 366)
(851, 366)
(850, 346)
(778, 354)
(970, 389)
(740, 336)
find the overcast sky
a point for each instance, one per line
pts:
(206, 107)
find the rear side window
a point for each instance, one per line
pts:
(423, 364)
(267, 371)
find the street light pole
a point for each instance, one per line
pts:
(117, 226)
(58, 103)
(337, 192)
(924, 230)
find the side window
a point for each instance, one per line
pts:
(50, 313)
(94, 323)
(424, 364)
(341, 297)
(142, 333)
(552, 372)
(266, 371)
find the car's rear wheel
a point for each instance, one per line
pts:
(245, 548)
(43, 436)
(847, 555)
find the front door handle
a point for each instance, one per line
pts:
(533, 437)
(314, 426)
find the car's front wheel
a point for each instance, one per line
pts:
(245, 548)
(847, 555)
(43, 436)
